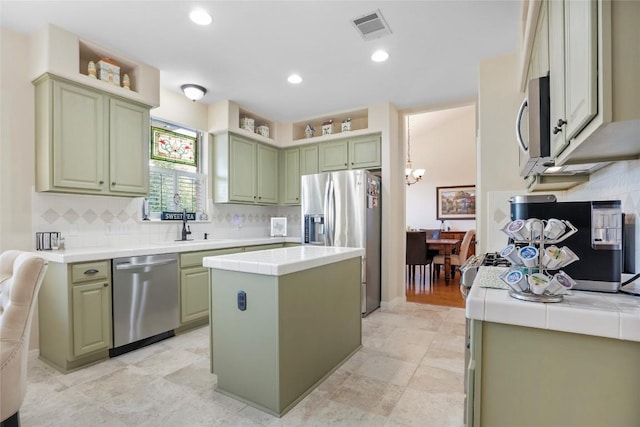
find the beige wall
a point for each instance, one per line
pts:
(444, 143)
(497, 170)
(17, 165)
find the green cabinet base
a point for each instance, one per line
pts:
(295, 331)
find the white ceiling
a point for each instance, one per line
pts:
(251, 47)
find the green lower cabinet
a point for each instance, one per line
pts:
(74, 313)
(263, 247)
(194, 294)
(91, 317)
(521, 376)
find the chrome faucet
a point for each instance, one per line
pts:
(185, 228)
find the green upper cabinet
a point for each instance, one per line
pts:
(88, 141)
(364, 152)
(267, 175)
(244, 171)
(129, 159)
(333, 156)
(351, 153)
(308, 160)
(291, 176)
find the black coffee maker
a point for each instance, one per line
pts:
(598, 241)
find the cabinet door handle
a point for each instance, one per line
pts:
(556, 130)
(91, 272)
(113, 183)
(561, 122)
(260, 198)
(346, 164)
(105, 285)
(101, 182)
(254, 197)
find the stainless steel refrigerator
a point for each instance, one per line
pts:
(344, 209)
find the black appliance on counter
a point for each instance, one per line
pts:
(598, 241)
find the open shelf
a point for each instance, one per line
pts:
(359, 125)
(89, 52)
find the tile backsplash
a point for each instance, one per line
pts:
(87, 221)
(618, 181)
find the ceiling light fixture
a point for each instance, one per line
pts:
(200, 17)
(193, 92)
(379, 56)
(411, 175)
(294, 79)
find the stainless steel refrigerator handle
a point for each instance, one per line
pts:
(331, 208)
(129, 266)
(523, 147)
(327, 192)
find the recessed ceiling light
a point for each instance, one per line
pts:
(294, 79)
(200, 17)
(379, 56)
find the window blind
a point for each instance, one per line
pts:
(165, 184)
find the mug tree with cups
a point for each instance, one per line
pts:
(533, 254)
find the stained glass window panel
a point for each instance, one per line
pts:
(173, 147)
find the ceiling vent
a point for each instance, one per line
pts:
(372, 25)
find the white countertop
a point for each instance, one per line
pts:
(278, 262)
(582, 312)
(165, 247)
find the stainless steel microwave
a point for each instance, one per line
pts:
(533, 129)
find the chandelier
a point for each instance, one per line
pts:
(411, 175)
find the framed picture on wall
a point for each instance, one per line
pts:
(457, 202)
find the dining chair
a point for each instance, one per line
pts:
(417, 254)
(21, 275)
(457, 259)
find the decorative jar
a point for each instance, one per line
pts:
(247, 123)
(327, 127)
(263, 130)
(108, 71)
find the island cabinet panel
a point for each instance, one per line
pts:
(295, 331)
(536, 377)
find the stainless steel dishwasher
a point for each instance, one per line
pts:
(146, 300)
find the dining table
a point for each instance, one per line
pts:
(445, 247)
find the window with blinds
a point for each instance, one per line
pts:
(174, 186)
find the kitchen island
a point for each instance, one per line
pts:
(572, 363)
(282, 320)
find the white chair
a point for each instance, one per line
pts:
(21, 275)
(456, 259)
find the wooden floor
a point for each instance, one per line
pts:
(436, 293)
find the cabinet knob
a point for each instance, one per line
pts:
(351, 163)
(561, 123)
(260, 198)
(113, 183)
(101, 182)
(346, 164)
(106, 284)
(556, 130)
(254, 197)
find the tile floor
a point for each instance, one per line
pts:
(409, 372)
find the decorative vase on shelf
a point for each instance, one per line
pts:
(327, 127)
(308, 131)
(346, 125)
(126, 83)
(91, 69)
